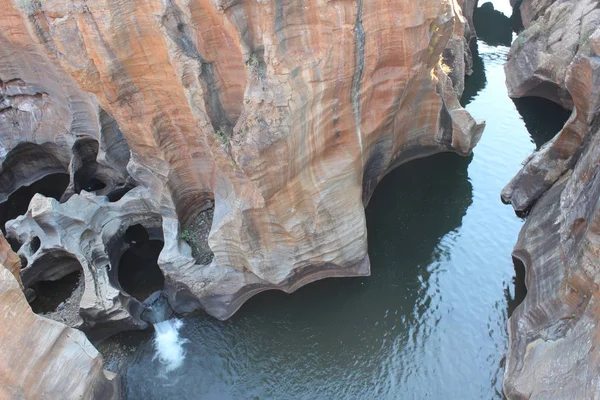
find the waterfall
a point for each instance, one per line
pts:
(167, 342)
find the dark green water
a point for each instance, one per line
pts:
(430, 323)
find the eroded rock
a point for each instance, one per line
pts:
(48, 125)
(43, 359)
(554, 333)
(286, 117)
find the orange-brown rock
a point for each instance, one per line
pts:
(285, 114)
(43, 359)
(10, 260)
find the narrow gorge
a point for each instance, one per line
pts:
(174, 159)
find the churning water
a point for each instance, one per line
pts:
(430, 323)
(168, 344)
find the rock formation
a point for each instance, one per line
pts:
(283, 117)
(555, 333)
(43, 359)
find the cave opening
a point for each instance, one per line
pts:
(519, 284)
(53, 185)
(52, 296)
(138, 271)
(542, 117)
(54, 286)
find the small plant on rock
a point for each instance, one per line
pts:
(222, 134)
(187, 235)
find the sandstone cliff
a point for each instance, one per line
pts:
(281, 115)
(555, 333)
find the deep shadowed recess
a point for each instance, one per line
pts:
(53, 185)
(543, 118)
(517, 298)
(86, 167)
(139, 274)
(53, 277)
(51, 294)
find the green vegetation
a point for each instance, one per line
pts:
(253, 63)
(187, 235)
(29, 6)
(222, 134)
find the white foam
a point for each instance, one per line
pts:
(168, 344)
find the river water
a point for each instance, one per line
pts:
(430, 323)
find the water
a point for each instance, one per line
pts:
(430, 323)
(168, 344)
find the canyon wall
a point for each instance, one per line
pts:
(276, 118)
(554, 335)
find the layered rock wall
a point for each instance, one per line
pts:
(554, 334)
(286, 115)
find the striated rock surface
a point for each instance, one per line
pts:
(47, 124)
(284, 115)
(554, 335)
(43, 359)
(556, 58)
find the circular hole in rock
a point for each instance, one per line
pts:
(35, 244)
(138, 271)
(53, 185)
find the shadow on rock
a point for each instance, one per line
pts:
(492, 26)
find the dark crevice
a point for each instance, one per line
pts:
(15, 245)
(35, 244)
(138, 272)
(86, 167)
(180, 33)
(543, 118)
(53, 186)
(520, 289)
(51, 296)
(118, 193)
(359, 56)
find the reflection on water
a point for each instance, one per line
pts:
(429, 323)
